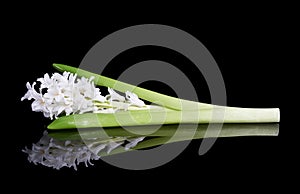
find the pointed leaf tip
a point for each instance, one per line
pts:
(59, 67)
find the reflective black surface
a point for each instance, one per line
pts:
(250, 61)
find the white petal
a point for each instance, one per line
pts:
(27, 96)
(100, 98)
(134, 99)
(115, 96)
(31, 93)
(36, 106)
(68, 110)
(46, 82)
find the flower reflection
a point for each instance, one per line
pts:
(58, 153)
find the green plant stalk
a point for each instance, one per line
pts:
(174, 110)
(158, 116)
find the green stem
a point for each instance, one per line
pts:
(164, 116)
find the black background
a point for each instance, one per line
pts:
(250, 53)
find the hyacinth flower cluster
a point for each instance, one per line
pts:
(66, 94)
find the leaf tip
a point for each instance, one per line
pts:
(59, 67)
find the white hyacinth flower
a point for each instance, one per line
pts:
(57, 153)
(67, 94)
